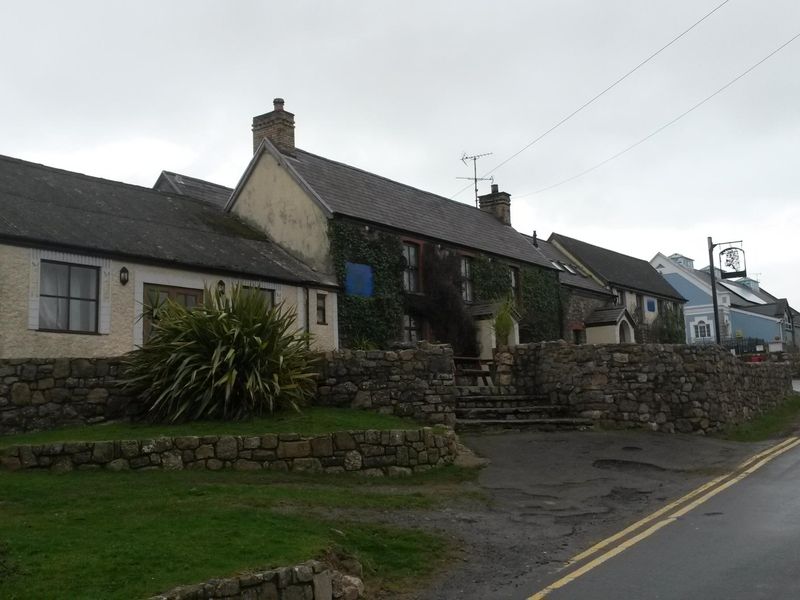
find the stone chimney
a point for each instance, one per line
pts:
(498, 204)
(277, 126)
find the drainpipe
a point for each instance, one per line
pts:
(308, 317)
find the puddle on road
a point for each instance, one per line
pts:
(628, 465)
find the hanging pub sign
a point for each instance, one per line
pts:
(732, 263)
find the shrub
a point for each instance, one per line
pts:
(233, 357)
(503, 323)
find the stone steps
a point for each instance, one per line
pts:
(509, 401)
(551, 424)
(484, 408)
(514, 413)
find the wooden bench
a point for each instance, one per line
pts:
(473, 366)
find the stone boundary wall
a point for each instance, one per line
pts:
(45, 393)
(371, 452)
(664, 387)
(414, 382)
(309, 581)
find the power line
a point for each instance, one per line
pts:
(592, 100)
(665, 125)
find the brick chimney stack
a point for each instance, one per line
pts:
(498, 204)
(277, 126)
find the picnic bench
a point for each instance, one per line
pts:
(473, 366)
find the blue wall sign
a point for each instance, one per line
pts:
(358, 280)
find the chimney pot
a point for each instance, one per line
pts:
(494, 188)
(278, 103)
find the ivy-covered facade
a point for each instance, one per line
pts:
(422, 289)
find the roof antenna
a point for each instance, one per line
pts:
(475, 178)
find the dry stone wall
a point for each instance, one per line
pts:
(371, 452)
(413, 382)
(663, 387)
(48, 393)
(309, 581)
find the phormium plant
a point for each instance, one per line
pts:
(232, 357)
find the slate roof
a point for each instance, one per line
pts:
(580, 280)
(50, 207)
(619, 270)
(176, 183)
(351, 192)
(605, 316)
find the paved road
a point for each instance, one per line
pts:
(554, 494)
(743, 543)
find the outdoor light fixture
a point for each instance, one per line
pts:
(124, 275)
(220, 287)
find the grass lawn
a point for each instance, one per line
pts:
(781, 421)
(130, 535)
(312, 421)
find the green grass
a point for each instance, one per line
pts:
(131, 535)
(312, 421)
(778, 422)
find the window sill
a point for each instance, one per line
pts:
(69, 332)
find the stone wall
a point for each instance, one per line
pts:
(578, 308)
(657, 386)
(414, 382)
(46, 393)
(376, 453)
(309, 581)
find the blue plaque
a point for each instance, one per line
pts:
(358, 280)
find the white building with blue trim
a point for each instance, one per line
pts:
(745, 310)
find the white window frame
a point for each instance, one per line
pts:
(103, 292)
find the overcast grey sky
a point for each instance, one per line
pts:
(124, 90)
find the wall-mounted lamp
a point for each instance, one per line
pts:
(220, 287)
(124, 275)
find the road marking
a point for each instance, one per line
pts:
(746, 468)
(652, 517)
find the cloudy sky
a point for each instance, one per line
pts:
(403, 89)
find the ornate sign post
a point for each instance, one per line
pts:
(734, 260)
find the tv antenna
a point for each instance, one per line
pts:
(475, 178)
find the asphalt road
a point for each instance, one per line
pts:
(553, 495)
(744, 543)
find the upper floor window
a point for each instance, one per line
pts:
(702, 330)
(68, 297)
(411, 272)
(467, 285)
(514, 282)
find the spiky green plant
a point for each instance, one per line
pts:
(233, 357)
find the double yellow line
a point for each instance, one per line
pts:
(661, 518)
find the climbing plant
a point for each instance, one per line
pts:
(442, 305)
(368, 321)
(667, 328)
(491, 279)
(540, 304)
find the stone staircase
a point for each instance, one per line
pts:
(485, 408)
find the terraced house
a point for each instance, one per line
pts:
(411, 264)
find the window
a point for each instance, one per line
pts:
(570, 269)
(156, 295)
(412, 329)
(514, 282)
(268, 294)
(411, 272)
(466, 279)
(68, 297)
(321, 312)
(702, 330)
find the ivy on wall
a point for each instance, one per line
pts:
(374, 321)
(442, 305)
(491, 279)
(667, 328)
(541, 299)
